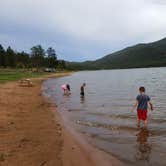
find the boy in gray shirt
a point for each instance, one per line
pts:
(142, 101)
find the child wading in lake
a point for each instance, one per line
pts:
(142, 102)
(66, 89)
(82, 90)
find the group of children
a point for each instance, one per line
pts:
(66, 89)
(142, 102)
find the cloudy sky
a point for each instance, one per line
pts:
(81, 29)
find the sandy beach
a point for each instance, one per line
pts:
(32, 133)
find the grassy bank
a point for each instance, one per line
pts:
(16, 74)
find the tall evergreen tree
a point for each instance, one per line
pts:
(2, 56)
(37, 56)
(10, 57)
(52, 58)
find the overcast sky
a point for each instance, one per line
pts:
(81, 29)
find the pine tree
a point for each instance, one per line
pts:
(2, 56)
(37, 56)
(10, 57)
(51, 58)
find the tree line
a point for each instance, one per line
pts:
(37, 58)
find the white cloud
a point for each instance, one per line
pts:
(98, 21)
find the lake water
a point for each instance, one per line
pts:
(104, 114)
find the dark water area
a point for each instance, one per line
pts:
(104, 113)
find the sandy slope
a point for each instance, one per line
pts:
(29, 136)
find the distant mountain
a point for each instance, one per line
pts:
(141, 55)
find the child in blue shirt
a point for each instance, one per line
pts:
(142, 102)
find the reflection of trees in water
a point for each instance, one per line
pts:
(143, 147)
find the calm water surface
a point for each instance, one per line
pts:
(104, 114)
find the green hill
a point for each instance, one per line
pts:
(141, 55)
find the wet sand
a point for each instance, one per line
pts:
(32, 133)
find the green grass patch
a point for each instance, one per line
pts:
(13, 74)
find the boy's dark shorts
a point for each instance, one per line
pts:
(82, 93)
(142, 114)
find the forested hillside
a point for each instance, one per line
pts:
(141, 55)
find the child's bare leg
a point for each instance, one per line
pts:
(145, 123)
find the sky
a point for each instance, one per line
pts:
(81, 30)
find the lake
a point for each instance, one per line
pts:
(104, 113)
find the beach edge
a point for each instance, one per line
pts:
(76, 150)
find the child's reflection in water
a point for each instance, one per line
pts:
(82, 99)
(143, 147)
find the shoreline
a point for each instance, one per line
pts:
(76, 147)
(32, 132)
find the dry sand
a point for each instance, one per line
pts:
(33, 134)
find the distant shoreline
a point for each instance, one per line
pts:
(119, 68)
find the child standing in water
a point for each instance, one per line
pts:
(66, 89)
(82, 93)
(142, 101)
